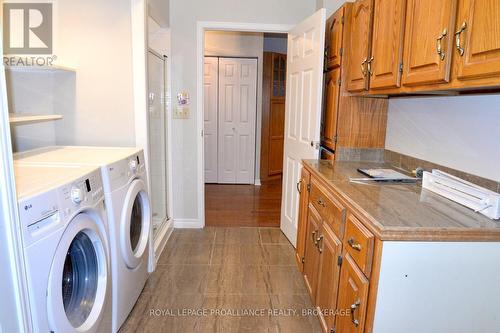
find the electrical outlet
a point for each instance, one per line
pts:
(181, 112)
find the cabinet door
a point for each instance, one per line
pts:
(311, 255)
(359, 45)
(276, 136)
(330, 110)
(302, 186)
(387, 43)
(429, 38)
(335, 26)
(330, 248)
(479, 26)
(353, 296)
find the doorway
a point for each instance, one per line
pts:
(243, 126)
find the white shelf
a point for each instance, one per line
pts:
(40, 69)
(22, 119)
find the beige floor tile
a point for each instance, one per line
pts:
(272, 236)
(177, 252)
(237, 236)
(238, 254)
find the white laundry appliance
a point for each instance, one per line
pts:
(129, 214)
(67, 253)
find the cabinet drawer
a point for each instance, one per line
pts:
(330, 210)
(358, 243)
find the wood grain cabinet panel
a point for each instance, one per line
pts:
(330, 248)
(335, 33)
(311, 253)
(302, 186)
(359, 243)
(477, 39)
(429, 39)
(387, 44)
(359, 45)
(331, 107)
(353, 297)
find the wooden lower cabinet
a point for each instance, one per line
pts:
(330, 248)
(353, 296)
(311, 253)
(302, 187)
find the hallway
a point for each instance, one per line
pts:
(225, 280)
(243, 205)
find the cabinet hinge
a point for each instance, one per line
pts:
(339, 82)
(309, 188)
(339, 260)
(335, 138)
(303, 259)
(332, 330)
(401, 67)
(342, 19)
(341, 51)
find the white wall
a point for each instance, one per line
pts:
(94, 37)
(159, 11)
(458, 132)
(276, 43)
(183, 17)
(242, 44)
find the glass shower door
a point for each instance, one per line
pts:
(158, 138)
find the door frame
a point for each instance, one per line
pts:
(201, 28)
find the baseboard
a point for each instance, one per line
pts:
(257, 182)
(162, 238)
(188, 224)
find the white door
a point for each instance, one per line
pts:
(237, 113)
(302, 110)
(210, 93)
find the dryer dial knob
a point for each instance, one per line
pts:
(132, 164)
(76, 195)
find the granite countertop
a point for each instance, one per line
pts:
(404, 211)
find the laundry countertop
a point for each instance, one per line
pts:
(397, 211)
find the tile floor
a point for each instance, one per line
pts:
(225, 280)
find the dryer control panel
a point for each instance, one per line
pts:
(120, 173)
(51, 210)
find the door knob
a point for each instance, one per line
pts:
(315, 144)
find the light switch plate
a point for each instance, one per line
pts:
(181, 112)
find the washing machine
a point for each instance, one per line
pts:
(128, 209)
(67, 254)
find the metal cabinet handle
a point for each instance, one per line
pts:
(298, 186)
(355, 246)
(439, 47)
(363, 70)
(314, 237)
(369, 66)
(354, 306)
(319, 242)
(460, 49)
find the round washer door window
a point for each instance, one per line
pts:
(136, 224)
(79, 277)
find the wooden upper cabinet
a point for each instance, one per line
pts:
(429, 41)
(477, 37)
(311, 252)
(358, 48)
(302, 186)
(387, 44)
(335, 33)
(330, 248)
(353, 296)
(330, 114)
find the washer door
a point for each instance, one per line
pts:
(135, 224)
(79, 278)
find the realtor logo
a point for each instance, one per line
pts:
(27, 28)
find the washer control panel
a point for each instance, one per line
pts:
(121, 172)
(46, 212)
